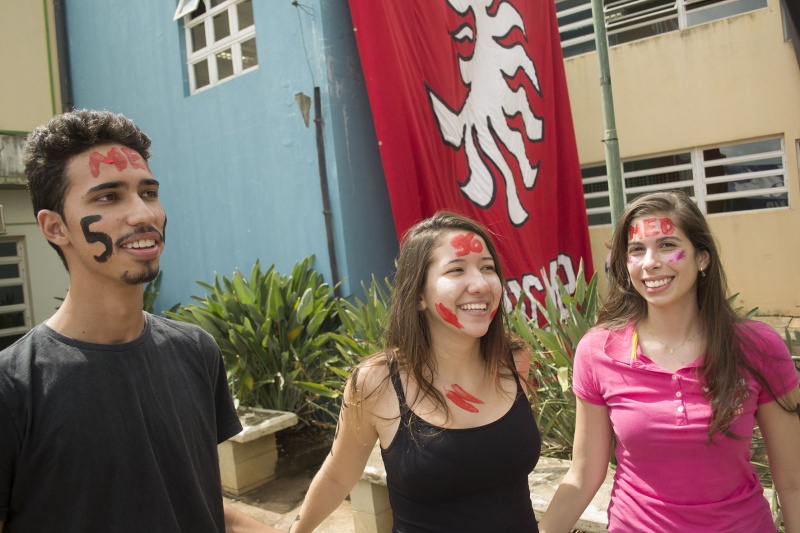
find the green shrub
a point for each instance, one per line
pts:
(553, 347)
(359, 336)
(274, 332)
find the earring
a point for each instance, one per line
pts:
(703, 273)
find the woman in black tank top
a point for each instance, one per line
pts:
(445, 399)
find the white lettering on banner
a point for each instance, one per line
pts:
(481, 125)
(532, 287)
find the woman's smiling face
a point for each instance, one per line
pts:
(462, 291)
(662, 262)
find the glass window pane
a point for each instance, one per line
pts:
(224, 64)
(8, 249)
(198, 37)
(737, 150)
(244, 10)
(661, 178)
(222, 26)
(201, 78)
(12, 320)
(657, 162)
(9, 271)
(709, 11)
(748, 204)
(249, 55)
(11, 295)
(215, 3)
(593, 172)
(599, 219)
(201, 10)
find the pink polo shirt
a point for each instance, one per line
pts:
(668, 478)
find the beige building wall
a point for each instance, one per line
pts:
(29, 97)
(729, 80)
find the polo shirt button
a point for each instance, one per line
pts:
(674, 376)
(680, 408)
(678, 394)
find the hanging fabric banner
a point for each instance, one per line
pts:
(472, 115)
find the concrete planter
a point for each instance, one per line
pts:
(248, 460)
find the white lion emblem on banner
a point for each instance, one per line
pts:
(481, 123)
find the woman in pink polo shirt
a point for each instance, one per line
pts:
(680, 380)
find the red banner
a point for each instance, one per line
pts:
(472, 115)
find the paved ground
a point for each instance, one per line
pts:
(277, 504)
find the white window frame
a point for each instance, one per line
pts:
(697, 167)
(22, 280)
(619, 23)
(213, 48)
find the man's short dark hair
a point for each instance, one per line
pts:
(50, 147)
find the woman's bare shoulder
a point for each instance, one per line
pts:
(369, 378)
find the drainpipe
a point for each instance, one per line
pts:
(323, 184)
(613, 164)
(62, 45)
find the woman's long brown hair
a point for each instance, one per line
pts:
(724, 363)
(407, 336)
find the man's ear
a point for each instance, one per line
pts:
(53, 227)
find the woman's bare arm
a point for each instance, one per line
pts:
(591, 452)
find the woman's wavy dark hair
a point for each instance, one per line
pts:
(724, 363)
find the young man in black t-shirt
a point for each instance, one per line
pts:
(110, 417)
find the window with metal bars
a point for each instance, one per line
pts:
(15, 312)
(631, 20)
(742, 176)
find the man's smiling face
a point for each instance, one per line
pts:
(114, 221)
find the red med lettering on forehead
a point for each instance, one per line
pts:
(464, 244)
(117, 158)
(649, 227)
(113, 157)
(136, 160)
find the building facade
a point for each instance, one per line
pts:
(262, 136)
(707, 99)
(31, 276)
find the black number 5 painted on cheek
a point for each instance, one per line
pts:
(96, 236)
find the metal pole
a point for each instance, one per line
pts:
(613, 164)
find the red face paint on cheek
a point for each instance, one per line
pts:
(464, 244)
(493, 313)
(633, 260)
(113, 157)
(448, 316)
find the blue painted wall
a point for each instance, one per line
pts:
(238, 167)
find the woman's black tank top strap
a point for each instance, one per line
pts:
(462, 480)
(397, 383)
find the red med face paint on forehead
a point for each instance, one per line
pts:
(136, 160)
(464, 244)
(448, 316)
(117, 157)
(649, 227)
(112, 157)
